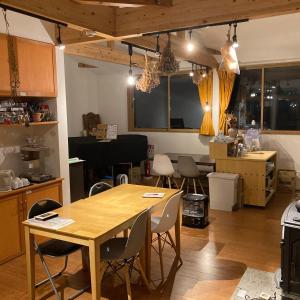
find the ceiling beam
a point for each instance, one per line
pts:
(100, 19)
(199, 56)
(126, 3)
(106, 54)
(189, 13)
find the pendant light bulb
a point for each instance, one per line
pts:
(131, 78)
(207, 107)
(61, 47)
(235, 43)
(190, 46)
(192, 71)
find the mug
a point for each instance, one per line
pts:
(37, 117)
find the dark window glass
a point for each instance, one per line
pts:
(186, 111)
(151, 110)
(248, 103)
(282, 98)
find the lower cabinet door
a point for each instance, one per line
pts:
(10, 227)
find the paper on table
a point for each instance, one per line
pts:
(54, 223)
(153, 195)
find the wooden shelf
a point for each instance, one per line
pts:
(30, 124)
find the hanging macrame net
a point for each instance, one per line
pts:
(149, 79)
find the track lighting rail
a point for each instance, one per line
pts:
(7, 7)
(197, 27)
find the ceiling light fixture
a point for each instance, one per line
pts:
(229, 58)
(60, 44)
(157, 46)
(234, 38)
(192, 71)
(190, 46)
(131, 78)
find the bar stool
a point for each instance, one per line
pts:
(187, 169)
(162, 165)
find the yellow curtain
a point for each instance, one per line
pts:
(226, 82)
(205, 89)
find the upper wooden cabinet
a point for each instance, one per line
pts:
(4, 67)
(36, 68)
(37, 71)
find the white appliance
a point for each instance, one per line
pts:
(223, 190)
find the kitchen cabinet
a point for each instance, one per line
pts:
(37, 68)
(14, 207)
(4, 67)
(11, 216)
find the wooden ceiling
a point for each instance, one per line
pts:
(126, 19)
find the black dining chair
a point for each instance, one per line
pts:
(52, 248)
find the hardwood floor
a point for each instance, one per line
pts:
(214, 259)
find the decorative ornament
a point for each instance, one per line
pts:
(168, 63)
(149, 79)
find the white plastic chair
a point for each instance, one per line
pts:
(125, 252)
(161, 226)
(162, 165)
(187, 169)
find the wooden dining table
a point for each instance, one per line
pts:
(97, 219)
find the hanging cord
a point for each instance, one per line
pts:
(229, 33)
(14, 82)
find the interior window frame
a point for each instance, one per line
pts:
(262, 68)
(130, 109)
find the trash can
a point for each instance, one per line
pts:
(223, 190)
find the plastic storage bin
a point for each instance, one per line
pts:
(223, 190)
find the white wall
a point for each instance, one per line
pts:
(55, 137)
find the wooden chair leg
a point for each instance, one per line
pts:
(195, 189)
(160, 257)
(157, 182)
(182, 184)
(169, 182)
(125, 233)
(127, 280)
(144, 278)
(174, 246)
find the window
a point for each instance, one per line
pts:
(269, 92)
(247, 107)
(151, 109)
(281, 98)
(186, 111)
(173, 105)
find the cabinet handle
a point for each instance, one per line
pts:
(28, 192)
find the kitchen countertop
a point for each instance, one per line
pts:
(29, 187)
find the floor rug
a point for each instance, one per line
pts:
(255, 282)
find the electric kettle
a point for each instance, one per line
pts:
(6, 177)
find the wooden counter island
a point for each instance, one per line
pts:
(257, 170)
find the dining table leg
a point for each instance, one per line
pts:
(94, 251)
(30, 261)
